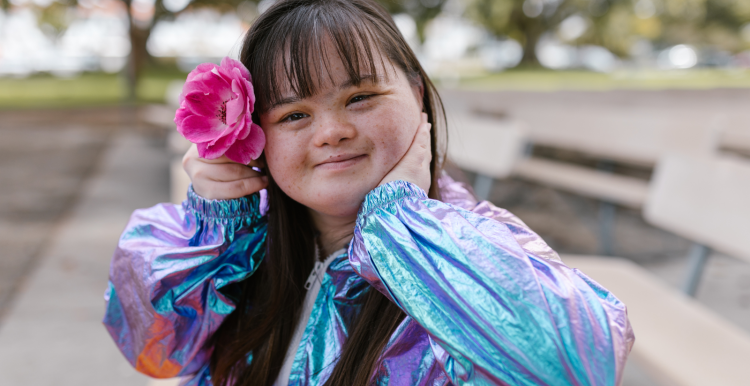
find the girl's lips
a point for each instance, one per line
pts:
(339, 163)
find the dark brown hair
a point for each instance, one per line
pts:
(286, 45)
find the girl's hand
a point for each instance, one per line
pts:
(222, 179)
(414, 166)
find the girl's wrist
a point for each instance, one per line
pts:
(390, 192)
(248, 207)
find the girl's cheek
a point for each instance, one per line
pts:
(396, 131)
(284, 158)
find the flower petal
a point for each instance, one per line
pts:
(205, 151)
(180, 115)
(236, 106)
(228, 134)
(201, 69)
(248, 124)
(209, 91)
(248, 149)
(229, 64)
(220, 145)
(196, 128)
(205, 104)
(209, 82)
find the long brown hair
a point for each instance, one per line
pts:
(285, 44)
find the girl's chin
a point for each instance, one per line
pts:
(344, 203)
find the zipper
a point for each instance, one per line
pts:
(312, 285)
(317, 271)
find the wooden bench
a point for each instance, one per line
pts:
(632, 127)
(489, 147)
(704, 199)
(678, 341)
(622, 190)
(736, 139)
(494, 149)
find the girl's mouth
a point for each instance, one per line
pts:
(341, 162)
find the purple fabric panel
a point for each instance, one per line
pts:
(163, 301)
(490, 293)
(458, 194)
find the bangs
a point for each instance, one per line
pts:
(295, 55)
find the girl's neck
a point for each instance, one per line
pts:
(335, 232)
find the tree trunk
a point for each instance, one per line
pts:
(531, 34)
(138, 54)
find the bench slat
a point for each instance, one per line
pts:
(627, 191)
(489, 147)
(679, 340)
(706, 200)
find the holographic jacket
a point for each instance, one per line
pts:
(487, 301)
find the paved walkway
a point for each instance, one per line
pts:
(42, 167)
(53, 334)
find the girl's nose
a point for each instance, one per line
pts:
(332, 130)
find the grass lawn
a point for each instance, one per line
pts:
(91, 89)
(546, 80)
(95, 89)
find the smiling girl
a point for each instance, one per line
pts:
(363, 263)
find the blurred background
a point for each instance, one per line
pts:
(619, 130)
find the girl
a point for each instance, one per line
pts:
(361, 262)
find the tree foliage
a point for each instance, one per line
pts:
(422, 11)
(618, 24)
(522, 20)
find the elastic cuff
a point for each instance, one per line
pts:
(247, 208)
(392, 191)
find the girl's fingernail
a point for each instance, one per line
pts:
(264, 179)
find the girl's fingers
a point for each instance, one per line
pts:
(216, 190)
(257, 163)
(222, 178)
(421, 138)
(420, 147)
(224, 160)
(192, 154)
(225, 172)
(221, 160)
(414, 166)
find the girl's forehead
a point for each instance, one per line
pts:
(303, 68)
(332, 73)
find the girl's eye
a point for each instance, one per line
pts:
(294, 117)
(359, 98)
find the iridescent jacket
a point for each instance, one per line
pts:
(487, 301)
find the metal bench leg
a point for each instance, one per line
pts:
(607, 214)
(483, 186)
(699, 254)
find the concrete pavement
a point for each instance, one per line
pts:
(53, 334)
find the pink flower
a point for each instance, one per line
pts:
(215, 108)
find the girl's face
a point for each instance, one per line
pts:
(329, 150)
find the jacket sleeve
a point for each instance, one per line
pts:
(498, 305)
(163, 298)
